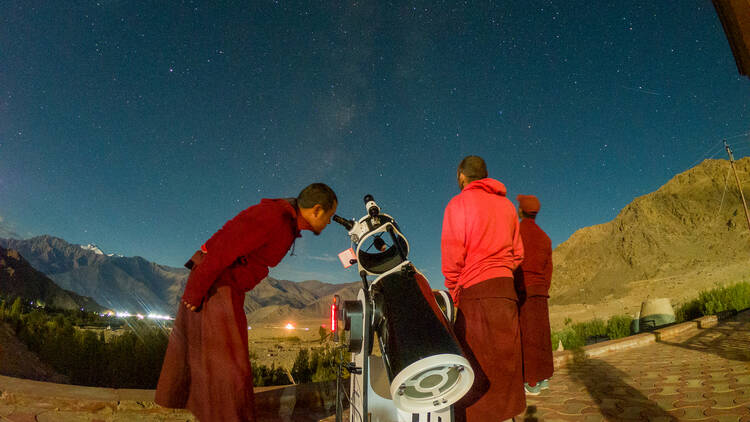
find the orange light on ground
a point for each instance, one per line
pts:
(289, 326)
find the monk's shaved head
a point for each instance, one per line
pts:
(473, 168)
(317, 194)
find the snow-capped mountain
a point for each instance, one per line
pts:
(93, 248)
(97, 250)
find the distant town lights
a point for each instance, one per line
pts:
(157, 316)
(123, 314)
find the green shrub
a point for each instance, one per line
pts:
(319, 365)
(595, 327)
(575, 335)
(735, 298)
(301, 370)
(709, 302)
(618, 326)
(688, 310)
(264, 376)
(570, 339)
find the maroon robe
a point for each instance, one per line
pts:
(532, 283)
(206, 367)
(487, 328)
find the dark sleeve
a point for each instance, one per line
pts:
(534, 261)
(548, 264)
(239, 236)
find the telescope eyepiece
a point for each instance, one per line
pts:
(371, 207)
(348, 224)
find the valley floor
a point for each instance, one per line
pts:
(586, 303)
(274, 344)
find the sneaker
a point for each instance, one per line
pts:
(532, 390)
(544, 384)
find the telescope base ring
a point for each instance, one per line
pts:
(432, 383)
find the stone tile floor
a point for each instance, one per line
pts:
(703, 375)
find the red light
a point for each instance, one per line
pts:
(333, 317)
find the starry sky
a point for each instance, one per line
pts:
(143, 126)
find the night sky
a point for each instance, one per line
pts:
(143, 126)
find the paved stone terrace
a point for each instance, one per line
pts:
(698, 371)
(696, 375)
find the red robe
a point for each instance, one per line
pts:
(487, 328)
(533, 280)
(206, 367)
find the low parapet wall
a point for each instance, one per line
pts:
(562, 358)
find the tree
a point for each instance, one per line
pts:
(301, 371)
(323, 334)
(17, 308)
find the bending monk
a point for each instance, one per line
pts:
(207, 368)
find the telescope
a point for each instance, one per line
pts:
(420, 371)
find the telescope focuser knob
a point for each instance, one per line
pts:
(352, 368)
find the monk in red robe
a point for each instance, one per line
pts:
(533, 279)
(206, 367)
(481, 247)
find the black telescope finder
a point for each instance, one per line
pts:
(348, 224)
(371, 206)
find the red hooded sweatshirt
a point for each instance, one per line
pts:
(481, 237)
(240, 253)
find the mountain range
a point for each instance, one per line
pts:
(19, 278)
(135, 284)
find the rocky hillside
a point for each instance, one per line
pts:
(16, 360)
(278, 300)
(683, 237)
(18, 278)
(122, 283)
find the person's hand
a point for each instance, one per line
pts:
(189, 306)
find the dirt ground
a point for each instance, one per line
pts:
(679, 289)
(274, 344)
